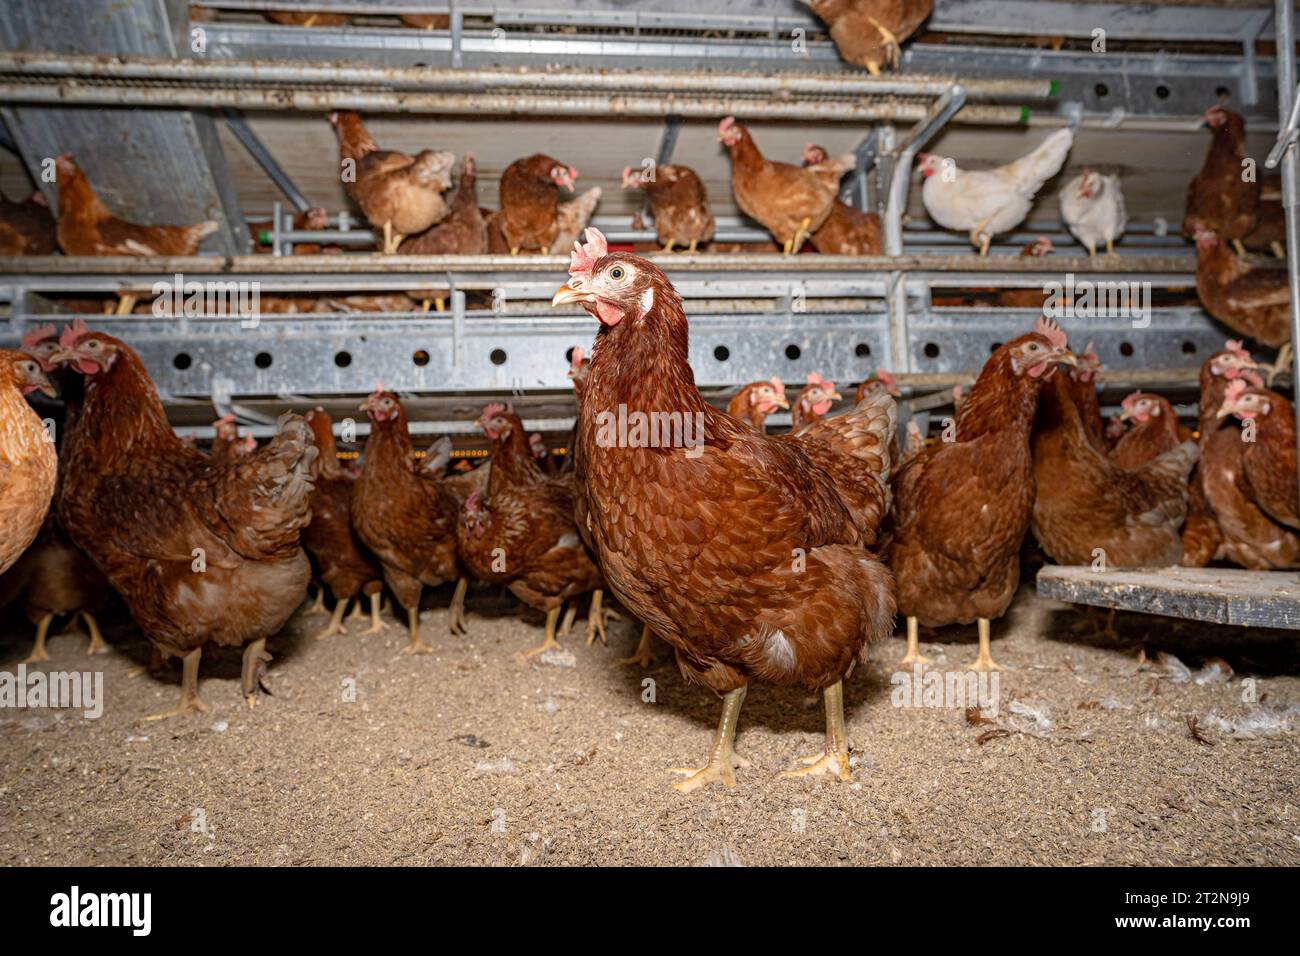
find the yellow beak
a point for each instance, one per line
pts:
(567, 293)
(836, 396)
(782, 403)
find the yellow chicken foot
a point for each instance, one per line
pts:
(873, 68)
(913, 655)
(126, 302)
(318, 605)
(39, 653)
(416, 646)
(723, 759)
(550, 642)
(836, 757)
(985, 660)
(335, 626)
(1236, 244)
(694, 243)
(892, 47)
(641, 656)
(357, 613)
(440, 305)
(251, 678)
(566, 622)
(97, 643)
(1279, 250)
(456, 610)
(190, 703)
(800, 235)
(376, 622)
(597, 617)
(1281, 364)
(668, 246)
(1110, 247)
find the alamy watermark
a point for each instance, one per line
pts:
(946, 689)
(1084, 298)
(624, 429)
(83, 690)
(177, 297)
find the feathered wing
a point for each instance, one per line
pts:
(1161, 487)
(572, 217)
(1030, 171)
(853, 451)
(829, 172)
(265, 497)
(1270, 482)
(1258, 289)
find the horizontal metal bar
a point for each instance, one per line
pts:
(216, 71)
(522, 266)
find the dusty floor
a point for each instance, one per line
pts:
(468, 756)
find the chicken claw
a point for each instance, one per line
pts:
(335, 626)
(641, 656)
(97, 642)
(377, 623)
(318, 605)
(456, 611)
(597, 617)
(835, 759)
(985, 660)
(39, 653)
(417, 646)
(913, 655)
(190, 703)
(550, 642)
(254, 670)
(723, 758)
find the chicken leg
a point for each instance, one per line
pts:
(1281, 364)
(913, 655)
(566, 622)
(696, 242)
(723, 759)
(357, 614)
(39, 653)
(190, 703)
(318, 605)
(335, 626)
(799, 234)
(417, 646)
(597, 617)
(985, 660)
(1240, 249)
(456, 610)
(97, 643)
(255, 660)
(641, 656)
(892, 47)
(550, 642)
(376, 622)
(668, 246)
(835, 759)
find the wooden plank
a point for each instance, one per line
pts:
(1218, 595)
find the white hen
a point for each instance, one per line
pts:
(987, 202)
(1092, 206)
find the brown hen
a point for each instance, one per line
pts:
(678, 201)
(27, 228)
(962, 507)
(530, 202)
(745, 552)
(869, 33)
(215, 555)
(406, 517)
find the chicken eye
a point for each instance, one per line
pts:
(617, 273)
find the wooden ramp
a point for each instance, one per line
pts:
(1218, 595)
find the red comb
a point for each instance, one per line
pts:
(1130, 400)
(726, 124)
(1237, 348)
(493, 408)
(379, 390)
(38, 334)
(586, 255)
(778, 385)
(1050, 331)
(575, 360)
(815, 378)
(72, 334)
(885, 378)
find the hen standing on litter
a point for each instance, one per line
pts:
(961, 508)
(407, 517)
(745, 552)
(200, 551)
(987, 202)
